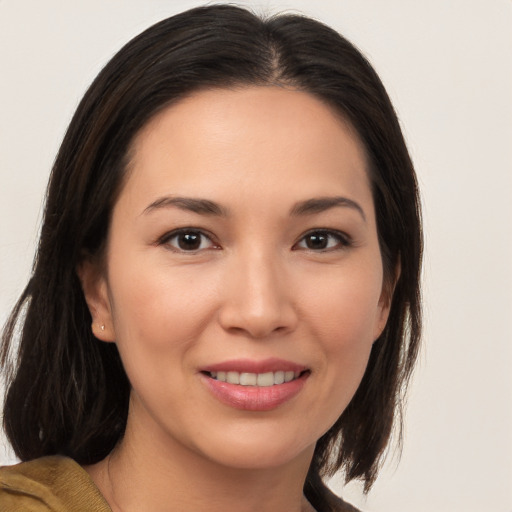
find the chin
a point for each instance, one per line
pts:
(255, 453)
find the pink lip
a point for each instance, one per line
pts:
(254, 398)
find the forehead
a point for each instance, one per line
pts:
(266, 140)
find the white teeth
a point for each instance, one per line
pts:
(233, 377)
(255, 379)
(288, 376)
(265, 379)
(248, 379)
(278, 377)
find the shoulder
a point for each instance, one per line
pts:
(56, 484)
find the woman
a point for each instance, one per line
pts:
(225, 305)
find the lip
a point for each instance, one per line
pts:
(254, 398)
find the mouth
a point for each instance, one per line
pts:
(266, 379)
(255, 385)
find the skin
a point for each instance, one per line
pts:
(255, 287)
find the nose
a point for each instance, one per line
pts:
(257, 297)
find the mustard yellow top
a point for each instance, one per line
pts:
(59, 484)
(49, 484)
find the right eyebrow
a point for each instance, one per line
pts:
(321, 204)
(191, 204)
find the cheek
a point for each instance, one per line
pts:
(157, 325)
(347, 339)
(157, 313)
(344, 315)
(345, 306)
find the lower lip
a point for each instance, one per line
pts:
(255, 398)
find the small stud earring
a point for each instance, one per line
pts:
(102, 327)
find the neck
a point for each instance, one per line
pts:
(144, 474)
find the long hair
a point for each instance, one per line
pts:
(68, 392)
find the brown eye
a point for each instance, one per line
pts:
(188, 241)
(322, 241)
(316, 241)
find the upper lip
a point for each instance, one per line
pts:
(254, 366)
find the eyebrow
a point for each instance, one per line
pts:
(200, 206)
(321, 204)
(207, 207)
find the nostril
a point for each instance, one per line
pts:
(258, 310)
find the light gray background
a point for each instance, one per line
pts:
(447, 65)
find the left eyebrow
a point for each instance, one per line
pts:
(321, 204)
(191, 204)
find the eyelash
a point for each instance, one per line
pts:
(341, 240)
(166, 239)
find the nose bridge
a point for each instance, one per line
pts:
(257, 298)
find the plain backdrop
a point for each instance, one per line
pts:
(447, 65)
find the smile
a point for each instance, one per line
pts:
(266, 379)
(255, 385)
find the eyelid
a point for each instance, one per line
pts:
(164, 239)
(344, 240)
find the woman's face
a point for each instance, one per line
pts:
(244, 278)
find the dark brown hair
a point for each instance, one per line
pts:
(68, 392)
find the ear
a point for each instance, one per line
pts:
(95, 289)
(382, 315)
(385, 300)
